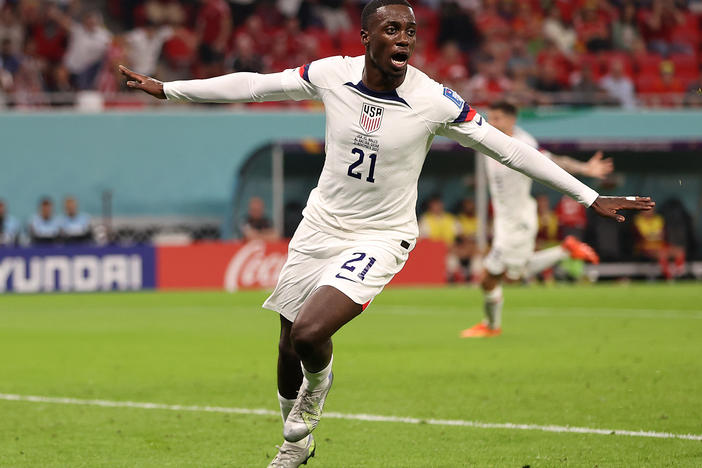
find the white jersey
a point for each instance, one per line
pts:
(513, 206)
(376, 142)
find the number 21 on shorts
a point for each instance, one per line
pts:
(348, 265)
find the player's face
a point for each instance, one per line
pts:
(390, 38)
(502, 121)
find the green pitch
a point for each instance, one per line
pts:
(605, 357)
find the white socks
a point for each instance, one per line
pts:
(313, 380)
(316, 378)
(543, 259)
(285, 407)
(493, 307)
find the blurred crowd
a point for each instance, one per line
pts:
(46, 227)
(665, 236)
(534, 52)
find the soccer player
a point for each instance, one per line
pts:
(359, 224)
(512, 253)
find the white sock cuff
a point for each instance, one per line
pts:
(315, 378)
(285, 406)
(495, 295)
(285, 401)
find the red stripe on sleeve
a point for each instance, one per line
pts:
(469, 116)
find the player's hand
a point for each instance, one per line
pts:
(597, 167)
(145, 83)
(608, 206)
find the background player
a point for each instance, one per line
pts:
(512, 253)
(359, 223)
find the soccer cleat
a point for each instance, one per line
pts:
(291, 456)
(580, 250)
(480, 330)
(305, 413)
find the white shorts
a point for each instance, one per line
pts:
(359, 268)
(510, 253)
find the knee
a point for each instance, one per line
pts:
(306, 337)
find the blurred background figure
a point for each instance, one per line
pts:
(465, 247)
(257, 225)
(9, 227)
(75, 226)
(87, 45)
(439, 225)
(651, 243)
(436, 223)
(44, 228)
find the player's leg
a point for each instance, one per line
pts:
(354, 277)
(323, 313)
(491, 285)
(290, 454)
(492, 300)
(544, 259)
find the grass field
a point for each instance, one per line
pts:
(604, 357)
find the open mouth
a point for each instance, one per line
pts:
(399, 59)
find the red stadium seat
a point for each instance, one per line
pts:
(647, 83)
(685, 65)
(649, 63)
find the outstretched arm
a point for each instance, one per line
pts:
(596, 166)
(234, 87)
(523, 158)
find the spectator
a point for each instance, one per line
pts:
(333, 16)
(467, 220)
(592, 27)
(437, 224)
(559, 31)
(625, 30)
(88, 43)
(680, 230)
(619, 86)
(547, 235)
(144, 46)
(456, 24)
(586, 91)
(246, 58)
(489, 82)
(75, 226)
(658, 24)
(650, 232)
(44, 227)
(256, 225)
(11, 29)
(666, 89)
(9, 60)
(213, 27)
(547, 79)
(9, 227)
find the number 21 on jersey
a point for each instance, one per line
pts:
(371, 171)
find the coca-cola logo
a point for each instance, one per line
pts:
(251, 266)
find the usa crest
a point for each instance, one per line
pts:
(371, 117)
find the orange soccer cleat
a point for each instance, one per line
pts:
(480, 330)
(580, 250)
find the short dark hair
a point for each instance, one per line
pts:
(372, 6)
(504, 106)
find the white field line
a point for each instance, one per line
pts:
(549, 312)
(351, 417)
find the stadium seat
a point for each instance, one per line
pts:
(685, 65)
(648, 64)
